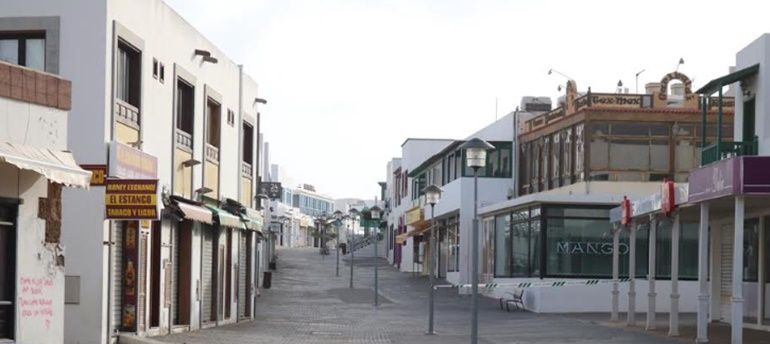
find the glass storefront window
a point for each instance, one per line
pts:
(688, 251)
(520, 233)
(751, 250)
(453, 243)
(502, 245)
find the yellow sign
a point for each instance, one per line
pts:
(128, 199)
(414, 215)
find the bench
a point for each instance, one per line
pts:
(515, 298)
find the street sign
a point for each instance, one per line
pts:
(273, 190)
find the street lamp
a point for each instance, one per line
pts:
(338, 218)
(353, 213)
(375, 213)
(432, 196)
(475, 158)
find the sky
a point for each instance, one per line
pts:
(348, 81)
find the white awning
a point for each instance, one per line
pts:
(196, 213)
(58, 167)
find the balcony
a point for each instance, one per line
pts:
(212, 154)
(246, 169)
(728, 149)
(126, 113)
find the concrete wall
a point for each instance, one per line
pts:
(39, 279)
(756, 52)
(598, 297)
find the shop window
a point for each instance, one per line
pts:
(7, 271)
(502, 245)
(751, 250)
(688, 251)
(453, 245)
(24, 49)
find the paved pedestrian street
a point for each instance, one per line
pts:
(308, 304)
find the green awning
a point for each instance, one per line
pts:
(225, 218)
(714, 85)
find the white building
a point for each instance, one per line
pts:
(727, 202)
(414, 151)
(155, 102)
(34, 167)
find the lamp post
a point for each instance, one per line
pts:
(353, 213)
(475, 158)
(338, 218)
(432, 196)
(375, 213)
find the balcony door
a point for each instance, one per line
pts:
(749, 123)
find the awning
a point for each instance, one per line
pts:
(225, 218)
(196, 213)
(253, 220)
(58, 167)
(714, 85)
(401, 238)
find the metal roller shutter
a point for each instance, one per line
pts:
(242, 266)
(117, 275)
(175, 273)
(208, 246)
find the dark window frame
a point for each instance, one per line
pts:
(21, 38)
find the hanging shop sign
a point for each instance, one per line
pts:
(273, 190)
(127, 199)
(414, 215)
(98, 174)
(129, 279)
(129, 163)
(625, 211)
(669, 198)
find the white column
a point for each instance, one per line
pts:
(762, 277)
(615, 272)
(651, 294)
(736, 323)
(631, 316)
(673, 319)
(703, 256)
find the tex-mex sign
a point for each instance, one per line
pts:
(131, 199)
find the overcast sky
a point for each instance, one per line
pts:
(348, 81)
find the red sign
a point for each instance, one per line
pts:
(668, 203)
(625, 211)
(98, 174)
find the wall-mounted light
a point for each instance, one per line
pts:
(190, 163)
(260, 101)
(206, 55)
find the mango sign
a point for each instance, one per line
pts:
(131, 199)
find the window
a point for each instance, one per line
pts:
(162, 73)
(185, 113)
(248, 143)
(213, 122)
(128, 74)
(155, 68)
(502, 245)
(230, 118)
(7, 271)
(25, 49)
(453, 245)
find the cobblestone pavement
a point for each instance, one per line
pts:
(308, 304)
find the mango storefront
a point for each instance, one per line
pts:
(559, 249)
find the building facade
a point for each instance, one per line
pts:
(35, 166)
(726, 199)
(173, 124)
(575, 163)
